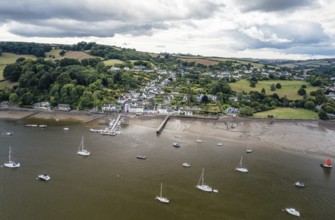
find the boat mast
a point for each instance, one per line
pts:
(161, 190)
(9, 154)
(202, 176)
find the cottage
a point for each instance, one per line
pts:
(42, 105)
(232, 111)
(63, 107)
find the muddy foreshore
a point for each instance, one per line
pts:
(313, 137)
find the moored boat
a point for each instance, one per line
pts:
(327, 164)
(299, 184)
(240, 167)
(201, 185)
(141, 157)
(7, 133)
(176, 144)
(10, 163)
(186, 164)
(249, 149)
(292, 211)
(44, 177)
(81, 150)
(160, 198)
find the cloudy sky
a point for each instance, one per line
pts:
(287, 29)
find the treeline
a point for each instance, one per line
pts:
(82, 84)
(25, 48)
(108, 52)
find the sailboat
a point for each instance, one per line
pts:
(249, 149)
(160, 198)
(327, 164)
(10, 163)
(201, 184)
(240, 167)
(81, 150)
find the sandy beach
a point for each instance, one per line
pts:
(313, 137)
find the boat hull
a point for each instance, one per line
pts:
(162, 200)
(292, 211)
(204, 188)
(242, 170)
(186, 165)
(12, 165)
(326, 166)
(44, 177)
(83, 153)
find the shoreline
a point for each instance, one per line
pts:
(314, 137)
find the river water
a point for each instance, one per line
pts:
(113, 184)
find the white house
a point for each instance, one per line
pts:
(42, 105)
(64, 107)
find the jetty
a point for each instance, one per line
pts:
(116, 122)
(161, 127)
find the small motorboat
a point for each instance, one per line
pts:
(299, 184)
(66, 129)
(198, 141)
(186, 164)
(176, 144)
(31, 125)
(44, 177)
(215, 190)
(7, 133)
(42, 126)
(327, 164)
(292, 211)
(219, 144)
(141, 157)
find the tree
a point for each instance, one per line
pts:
(278, 86)
(323, 115)
(62, 53)
(12, 72)
(310, 105)
(263, 91)
(246, 111)
(302, 91)
(253, 84)
(273, 87)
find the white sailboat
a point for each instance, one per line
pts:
(81, 150)
(240, 167)
(201, 184)
(10, 163)
(160, 198)
(249, 149)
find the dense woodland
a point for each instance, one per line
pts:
(88, 83)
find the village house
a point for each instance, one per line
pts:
(63, 107)
(232, 111)
(109, 108)
(42, 105)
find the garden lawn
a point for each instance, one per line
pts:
(289, 88)
(112, 62)
(288, 113)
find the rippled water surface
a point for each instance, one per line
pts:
(113, 184)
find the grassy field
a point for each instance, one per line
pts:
(112, 62)
(288, 113)
(7, 84)
(2, 67)
(289, 88)
(53, 53)
(8, 58)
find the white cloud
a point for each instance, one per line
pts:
(235, 28)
